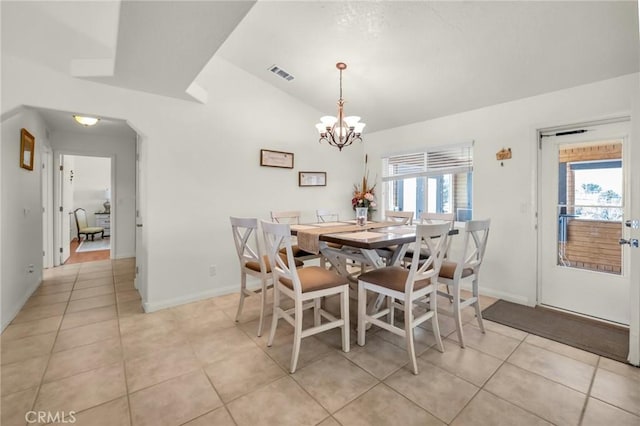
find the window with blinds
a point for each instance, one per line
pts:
(437, 180)
(433, 162)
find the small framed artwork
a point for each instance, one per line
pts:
(312, 178)
(27, 149)
(280, 159)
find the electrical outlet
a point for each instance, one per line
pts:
(30, 268)
(212, 270)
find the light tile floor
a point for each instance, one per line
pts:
(82, 344)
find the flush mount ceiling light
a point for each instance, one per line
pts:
(86, 121)
(340, 131)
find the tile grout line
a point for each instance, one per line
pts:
(482, 388)
(202, 368)
(44, 373)
(124, 362)
(588, 395)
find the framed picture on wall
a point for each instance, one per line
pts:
(276, 159)
(27, 149)
(312, 178)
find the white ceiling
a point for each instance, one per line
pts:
(63, 121)
(407, 61)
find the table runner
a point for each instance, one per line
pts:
(362, 235)
(309, 239)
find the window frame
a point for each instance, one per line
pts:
(433, 162)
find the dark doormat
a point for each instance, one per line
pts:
(593, 336)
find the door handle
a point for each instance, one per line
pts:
(139, 225)
(633, 242)
(635, 224)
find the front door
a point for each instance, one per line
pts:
(583, 205)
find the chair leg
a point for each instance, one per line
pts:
(392, 310)
(344, 314)
(408, 331)
(362, 312)
(275, 317)
(316, 312)
(263, 306)
(457, 314)
(297, 336)
(477, 304)
(433, 306)
(243, 286)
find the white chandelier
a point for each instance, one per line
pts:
(340, 131)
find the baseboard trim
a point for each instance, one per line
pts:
(123, 256)
(509, 297)
(194, 297)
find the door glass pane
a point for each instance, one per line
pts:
(590, 207)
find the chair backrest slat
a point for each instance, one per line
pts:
(327, 216)
(475, 244)
(405, 218)
(247, 248)
(434, 237)
(426, 217)
(276, 237)
(291, 217)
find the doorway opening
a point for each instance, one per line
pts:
(85, 189)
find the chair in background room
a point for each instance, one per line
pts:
(83, 227)
(402, 218)
(306, 287)
(466, 269)
(404, 288)
(327, 216)
(253, 263)
(292, 217)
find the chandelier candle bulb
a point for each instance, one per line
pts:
(340, 131)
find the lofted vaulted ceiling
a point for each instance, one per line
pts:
(408, 61)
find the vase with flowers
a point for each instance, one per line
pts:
(363, 194)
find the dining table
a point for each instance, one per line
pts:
(373, 245)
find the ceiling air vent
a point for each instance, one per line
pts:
(280, 72)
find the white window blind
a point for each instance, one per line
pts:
(433, 162)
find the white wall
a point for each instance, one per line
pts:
(21, 213)
(201, 165)
(91, 177)
(507, 194)
(122, 152)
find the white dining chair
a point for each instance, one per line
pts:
(327, 216)
(427, 217)
(430, 218)
(398, 218)
(253, 263)
(306, 287)
(402, 218)
(292, 217)
(466, 269)
(404, 288)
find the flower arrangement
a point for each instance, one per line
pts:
(364, 195)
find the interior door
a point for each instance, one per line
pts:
(66, 206)
(584, 202)
(141, 252)
(47, 222)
